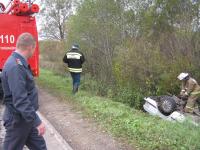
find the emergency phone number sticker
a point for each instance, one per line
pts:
(7, 39)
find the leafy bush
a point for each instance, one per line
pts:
(130, 55)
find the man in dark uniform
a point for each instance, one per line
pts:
(74, 58)
(23, 125)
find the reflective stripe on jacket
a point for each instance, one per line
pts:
(74, 58)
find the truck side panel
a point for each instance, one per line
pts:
(10, 28)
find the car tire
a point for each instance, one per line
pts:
(167, 105)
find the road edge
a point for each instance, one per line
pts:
(55, 133)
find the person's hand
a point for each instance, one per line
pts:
(41, 129)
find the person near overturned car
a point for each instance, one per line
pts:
(22, 123)
(190, 90)
(75, 58)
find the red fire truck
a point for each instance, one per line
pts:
(15, 18)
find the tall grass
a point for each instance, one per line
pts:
(137, 128)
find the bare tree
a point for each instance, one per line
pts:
(54, 15)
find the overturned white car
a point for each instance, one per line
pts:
(168, 108)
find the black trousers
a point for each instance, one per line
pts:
(21, 133)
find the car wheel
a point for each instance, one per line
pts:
(167, 105)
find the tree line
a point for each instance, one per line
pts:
(134, 48)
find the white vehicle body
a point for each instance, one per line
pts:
(151, 107)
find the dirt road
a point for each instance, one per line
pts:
(67, 129)
(53, 139)
(79, 132)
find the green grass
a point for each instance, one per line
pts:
(137, 128)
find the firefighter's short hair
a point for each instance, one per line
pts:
(25, 40)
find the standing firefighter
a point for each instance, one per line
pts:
(191, 89)
(74, 58)
(23, 125)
